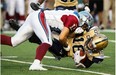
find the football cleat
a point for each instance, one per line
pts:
(13, 24)
(36, 66)
(35, 6)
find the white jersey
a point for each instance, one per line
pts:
(53, 17)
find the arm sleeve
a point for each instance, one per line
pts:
(70, 22)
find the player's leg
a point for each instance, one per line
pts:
(15, 26)
(43, 32)
(24, 32)
(18, 38)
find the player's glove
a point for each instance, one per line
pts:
(79, 57)
(87, 9)
(79, 30)
(35, 6)
(67, 48)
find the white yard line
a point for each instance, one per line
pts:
(49, 57)
(9, 57)
(106, 56)
(108, 30)
(105, 30)
(9, 32)
(57, 67)
(113, 41)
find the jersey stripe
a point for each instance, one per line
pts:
(42, 21)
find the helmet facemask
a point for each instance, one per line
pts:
(96, 43)
(85, 27)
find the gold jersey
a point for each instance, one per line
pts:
(65, 3)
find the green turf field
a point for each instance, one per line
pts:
(16, 61)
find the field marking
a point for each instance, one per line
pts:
(49, 57)
(113, 41)
(108, 30)
(57, 67)
(106, 56)
(105, 30)
(9, 57)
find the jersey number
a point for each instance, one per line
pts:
(77, 47)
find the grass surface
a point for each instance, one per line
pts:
(26, 52)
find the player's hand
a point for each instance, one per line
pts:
(79, 57)
(87, 9)
(79, 30)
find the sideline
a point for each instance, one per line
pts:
(57, 67)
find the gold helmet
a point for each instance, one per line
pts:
(97, 43)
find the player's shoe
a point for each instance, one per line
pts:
(14, 24)
(36, 66)
(35, 6)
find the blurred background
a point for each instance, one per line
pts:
(103, 11)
